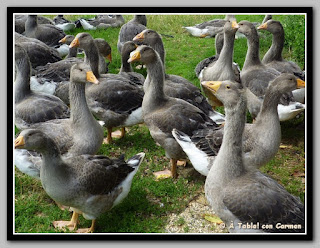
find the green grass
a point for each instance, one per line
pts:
(149, 202)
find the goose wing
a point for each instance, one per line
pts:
(257, 198)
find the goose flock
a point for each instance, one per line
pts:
(66, 103)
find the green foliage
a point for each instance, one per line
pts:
(294, 26)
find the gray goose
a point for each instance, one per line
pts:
(209, 28)
(63, 23)
(20, 21)
(177, 86)
(79, 134)
(273, 57)
(208, 62)
(129, 30)
(38, 52)
(162, 113)
(102, 22)
(261, 139)
(89, 184)
(238, 195)
(54, 78)
(117, 99)
(47, 33)
(30, 107)
(222, 68)
(255, 75)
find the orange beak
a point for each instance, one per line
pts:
(75, 43)
(91, 78)
(139, 37)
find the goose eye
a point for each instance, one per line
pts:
(228, 87)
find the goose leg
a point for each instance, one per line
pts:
(108, 140)
(88, 230)
(71, 225)
(173, 163)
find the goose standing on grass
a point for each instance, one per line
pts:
(79, 134)
(274, 59)
(38, 52)
(162, 113)
(129, 30)
(222, 68)
(117, 99)
(240, 196)
(47, 33)
(30, 107)
(261, 139)
(212, 27)
(255, 75)
(90, 185)
(177, 86)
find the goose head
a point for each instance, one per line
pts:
(286, 82)
(231, 27)
(81, 73)
(147, 36)
(67, 39)
(246, 28)
(128, 47)
(82, 40)
(31, 139)
(144, 54)
(272, 26)
(227, 92)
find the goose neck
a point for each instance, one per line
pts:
(22, 82)
(269, 106)
(252, 57)
(80, 111)
(226, 54)
(228, 163)
(72, 52)
(92, 58)
(125, 66)
(275, 51)
(153, 86)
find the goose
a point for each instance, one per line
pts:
(209, 28)
(79, 134)
(238, 195)
(273, 57)
(102, 22)
(222, 68)
(62, 23)
(177, 86)
(89, 184)
(38, 52)
(30, 107)
(49, 34)
(162, 113)
(20, 20)
(261, 139)
(129, 30)
(54, 78)
(117, 99)
(255, 75)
